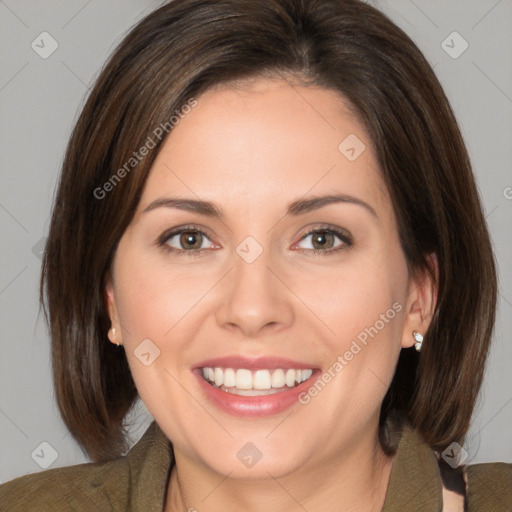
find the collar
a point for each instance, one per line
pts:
(150, 462)
(414, 482)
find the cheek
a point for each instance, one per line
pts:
(364, 298)
(160, 311)
(154, 305)
(153, 298)
(363, 304)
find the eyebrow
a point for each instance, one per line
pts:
(295, 208)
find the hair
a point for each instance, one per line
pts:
(187, 47)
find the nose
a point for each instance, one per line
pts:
(255, 298)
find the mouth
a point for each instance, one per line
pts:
(254, 387)
(261, 382)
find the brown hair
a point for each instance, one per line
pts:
(183, 49)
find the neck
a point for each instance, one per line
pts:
(349, 481)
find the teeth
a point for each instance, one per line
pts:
(260, 380)
(290, 378)
(219, 376)
(306, 374)
(243, 379)
(229, 378)
(278, 379)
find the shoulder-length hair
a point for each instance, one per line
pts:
(189, 46)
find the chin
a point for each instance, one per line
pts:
(257, 459)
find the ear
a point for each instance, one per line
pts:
(112, 311)
(421, 302)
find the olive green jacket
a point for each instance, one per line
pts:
(137, 482)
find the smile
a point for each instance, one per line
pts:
(261, 382)
(254, 387)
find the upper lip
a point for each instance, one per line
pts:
(254, 363)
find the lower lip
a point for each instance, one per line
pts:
(253, 406)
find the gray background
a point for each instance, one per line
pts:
(39, 101)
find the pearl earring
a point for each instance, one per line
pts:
(419, 340)
(114, 336)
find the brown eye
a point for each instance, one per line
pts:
(325, 240)
(185, 240)
(191, 240)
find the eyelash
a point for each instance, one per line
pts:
(344, 236)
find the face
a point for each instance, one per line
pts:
(231, 272)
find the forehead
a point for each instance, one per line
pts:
(265, 143)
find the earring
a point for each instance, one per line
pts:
(114, 336)
(419, 340)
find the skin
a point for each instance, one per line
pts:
(252, 150)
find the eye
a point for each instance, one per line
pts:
(323, 240)
(188, 239)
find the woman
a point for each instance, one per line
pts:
(258, 230)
